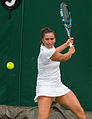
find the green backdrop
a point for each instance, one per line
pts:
(20, 42)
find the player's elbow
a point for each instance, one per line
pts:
(65, 58)
(60, 57)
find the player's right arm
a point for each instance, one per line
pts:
(63, 57)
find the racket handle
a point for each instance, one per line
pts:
(70, 44)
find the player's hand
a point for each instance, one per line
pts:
(69, 40)
(72, 49)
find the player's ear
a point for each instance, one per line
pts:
(42, 41)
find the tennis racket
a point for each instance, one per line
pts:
(66, 18)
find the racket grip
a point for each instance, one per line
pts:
(70, 44)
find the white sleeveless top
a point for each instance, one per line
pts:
(49, 79)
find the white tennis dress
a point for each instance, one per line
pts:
(49, 79)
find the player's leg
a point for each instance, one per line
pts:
(71, 102)
(44, 104)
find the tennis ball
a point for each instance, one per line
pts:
(10, 65)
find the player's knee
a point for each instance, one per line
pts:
(80, 113)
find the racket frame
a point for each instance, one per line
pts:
(62, 17)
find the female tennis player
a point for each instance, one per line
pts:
(49, 86)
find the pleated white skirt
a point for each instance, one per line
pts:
(50, 88)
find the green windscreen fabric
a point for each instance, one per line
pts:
(20, 44)
(10, 51)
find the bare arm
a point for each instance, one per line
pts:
(63, 57)
(64, 46)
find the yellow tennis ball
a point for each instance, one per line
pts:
(10, 65)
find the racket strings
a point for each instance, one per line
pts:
(66, 16)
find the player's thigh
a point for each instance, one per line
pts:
(70, 101)
(44, 104)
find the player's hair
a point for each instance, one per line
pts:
(44, 31)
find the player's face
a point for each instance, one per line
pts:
(49, 40)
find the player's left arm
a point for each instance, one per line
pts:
(64, 46)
